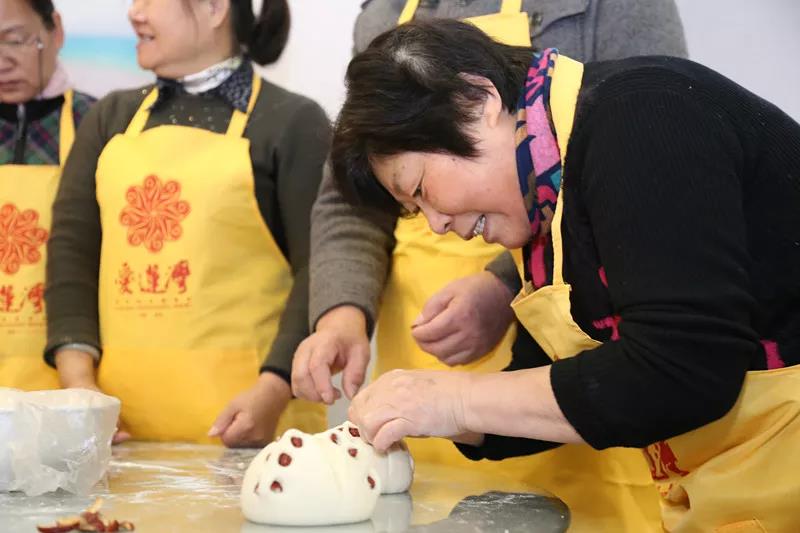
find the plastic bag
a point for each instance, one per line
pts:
(59, 439)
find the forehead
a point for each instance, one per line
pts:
(17, 15)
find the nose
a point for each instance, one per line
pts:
(135, 12)
(439, 222)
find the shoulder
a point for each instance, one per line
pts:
(281, 106)
(112, 113)
(606, 81)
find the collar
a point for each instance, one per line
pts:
(34, 109)
(231, 85)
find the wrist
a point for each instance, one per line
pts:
(274, 386)
(343, 318)
(75, 369)
(499, 285)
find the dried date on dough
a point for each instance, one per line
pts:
(395, 467)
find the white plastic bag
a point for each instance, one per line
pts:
(55, 439)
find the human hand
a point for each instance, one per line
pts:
(411, 403)
(340, 343)
(250, 419)
(466, 319)
(76, 371)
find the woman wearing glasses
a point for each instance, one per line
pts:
(38, 115)
(180, 232)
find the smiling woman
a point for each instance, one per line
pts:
(665, 295)
(180, 233)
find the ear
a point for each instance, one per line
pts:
(58, 31)
(493, 108)
(219, 11)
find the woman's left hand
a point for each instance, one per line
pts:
(411, 403)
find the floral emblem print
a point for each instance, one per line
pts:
(154, 213)
(21, 238)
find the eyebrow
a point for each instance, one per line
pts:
(11, 29)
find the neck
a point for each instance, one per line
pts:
(198, 63)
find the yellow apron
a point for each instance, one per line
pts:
(192, 284)
(605, 490)
(739, 473)
(26, 199)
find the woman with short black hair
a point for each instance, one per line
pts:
(39, 112)
(178, 261)
(656, 203)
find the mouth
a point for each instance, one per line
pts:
(480, 224)
(144, 37)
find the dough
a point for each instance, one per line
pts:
(311, 480)
(337, 470)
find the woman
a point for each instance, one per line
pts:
(201, 189)
(432, 288)
(662, 274)
(38, 115)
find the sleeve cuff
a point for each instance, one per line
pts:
(498, 447)
(569, 390)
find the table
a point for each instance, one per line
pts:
(177, 488)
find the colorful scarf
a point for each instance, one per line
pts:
(538, 164)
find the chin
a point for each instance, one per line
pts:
(514, 241)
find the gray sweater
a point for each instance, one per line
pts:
(350, 249)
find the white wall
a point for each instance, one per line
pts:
(757, 44)
(320, 46)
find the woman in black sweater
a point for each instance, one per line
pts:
(662, 273)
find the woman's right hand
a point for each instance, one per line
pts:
(340, 343)
(76, 371)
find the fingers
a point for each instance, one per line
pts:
(392, 431)
(319, 369)
(447, 346)
(433, 307)
(120, 437)
(355, 369)
(224, 420)
(240, 433)
(122, 434)
(444, 324)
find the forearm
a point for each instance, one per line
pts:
(292, 329)
(516, 404)
(349, 255)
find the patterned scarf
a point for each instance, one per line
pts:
(538, 164)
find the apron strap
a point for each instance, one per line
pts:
(239, 120)
(66, 129)
(567, 77)
(407, 14)
(235, 127)
(408, 11)
(142, 114)
(510, 6)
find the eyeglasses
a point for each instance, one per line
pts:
(17, 47)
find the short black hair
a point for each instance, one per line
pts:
(410, 91)
(45, 10)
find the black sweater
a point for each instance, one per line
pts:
(682, 193)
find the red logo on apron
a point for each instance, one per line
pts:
(154, 213)
(20, 238)
(663, 461)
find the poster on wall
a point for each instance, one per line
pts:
(100, 48)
